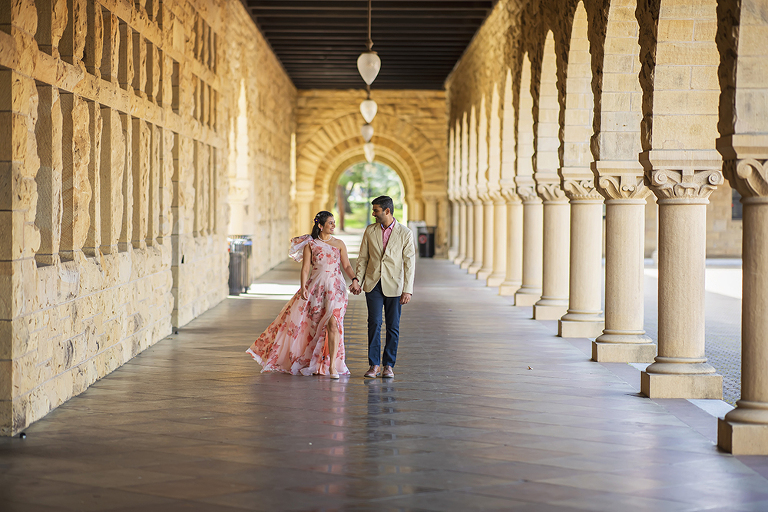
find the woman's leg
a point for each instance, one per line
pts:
(332, 333)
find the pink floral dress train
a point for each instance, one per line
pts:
(295, 342)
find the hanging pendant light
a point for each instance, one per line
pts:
(369, 152)
(369, 63)
(367, 132)
(368, 108)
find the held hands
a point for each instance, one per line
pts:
(405, 298)
(355, 288)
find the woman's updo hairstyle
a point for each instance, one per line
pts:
(320, 219)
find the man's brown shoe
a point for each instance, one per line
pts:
(372, 372)
(387, 373)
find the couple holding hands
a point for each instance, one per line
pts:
(307, 337)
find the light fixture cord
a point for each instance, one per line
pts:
(370, 42)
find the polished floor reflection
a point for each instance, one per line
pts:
(488, 411)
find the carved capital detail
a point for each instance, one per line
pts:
(510, 194)
(749, 176)
(623, 186)
(527, 193)
(684, 183)
(581, 189)
(550, 192)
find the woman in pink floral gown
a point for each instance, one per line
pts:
(307, 337)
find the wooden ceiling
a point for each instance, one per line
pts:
(419, 41)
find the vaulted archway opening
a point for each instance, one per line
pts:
(357, 186)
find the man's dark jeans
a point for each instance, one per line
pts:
(376, 300)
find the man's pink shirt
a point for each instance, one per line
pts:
(385, 232)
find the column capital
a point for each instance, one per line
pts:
(526, 189)
(621, 180)
(580, 186)
(746, 163)
(684, 185)
(682, 176)
(509, 192)
(551, 192)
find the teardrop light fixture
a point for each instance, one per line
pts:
(369, 152)
(368, 108)
(367, 132)
(368, 63)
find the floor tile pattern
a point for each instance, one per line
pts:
(488, 411)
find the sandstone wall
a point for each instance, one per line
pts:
(116, 136)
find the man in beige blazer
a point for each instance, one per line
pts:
(385, 268)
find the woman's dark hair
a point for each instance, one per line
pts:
(385, 202)
(320, 219)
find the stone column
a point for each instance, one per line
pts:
(462, 233)
(623, 340)
(513, 278)
(556, 223)
(584, 317)
(499, 242)
(453, 252)
(530, 289)
(470, 237)
(488, 232)
(744, 430)
(682, 187)
(477, 236)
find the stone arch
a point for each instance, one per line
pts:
(508, 134)
(617, 93)
(547, 131)
(326, 182)
(525, 138)
(579, 100)
(494, 141)
(399, 144)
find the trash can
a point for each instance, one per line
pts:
(236, 273)
(242, 245)
(426, 241)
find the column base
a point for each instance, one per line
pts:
(474, 268)
(495, 280)
(742, 438)
(527, 297)
(548, 312)
(465, 264)
(484, 274)
(508, 289)
(623, 352)
(694, 385)
(452, 254)
(583, 329)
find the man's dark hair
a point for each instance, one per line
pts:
(385, 202)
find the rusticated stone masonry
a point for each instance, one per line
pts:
(118, 125)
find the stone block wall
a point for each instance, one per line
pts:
(114, 177)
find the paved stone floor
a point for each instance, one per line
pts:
(488, 411)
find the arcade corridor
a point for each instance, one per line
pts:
(489, 410)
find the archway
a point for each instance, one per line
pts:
(413, 147)
(357, 186)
